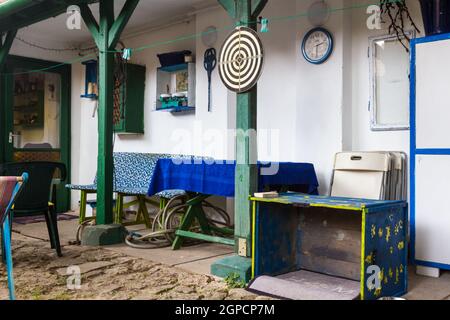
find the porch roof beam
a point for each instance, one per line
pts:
(90, 22)
(5, 46)
(35, 11)
(244, 11)
(121, 21)
(13, 6)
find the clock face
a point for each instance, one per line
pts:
(317, 45)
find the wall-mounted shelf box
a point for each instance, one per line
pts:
(90, 81)
(131, 118)
(175, 89)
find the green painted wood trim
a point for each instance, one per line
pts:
(143, 212)
(121, 21)
(5, 47)
(246, 182)
(83, 204)
(223, 230)
(90, 22)
(258, 7)
(186, 222)
(108, 33)
(105, 118)
(230, 7)
(205, 237)
(6, 124)
(38, 11)
(246, 13)
(65, 133)
(12, 6)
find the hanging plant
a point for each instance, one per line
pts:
(397, 13)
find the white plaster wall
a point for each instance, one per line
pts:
(362, 137)
(314, 110)
(319, 91)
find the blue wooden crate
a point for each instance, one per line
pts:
(340, 237)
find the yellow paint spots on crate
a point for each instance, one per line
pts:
(380, 232)
(401, 245)
(377, 292)
(381, 275)
(388, 233)
(373, 231)
(369, 258)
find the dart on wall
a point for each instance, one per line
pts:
(241, 60)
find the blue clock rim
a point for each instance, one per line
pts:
(329, 51)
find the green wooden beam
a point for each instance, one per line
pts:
(13, 6)
(205, 237)
(121, 21)
(5, 46)
(258, 6)
(90, 22)
(230, 7)
(244, 11)
(37, 11)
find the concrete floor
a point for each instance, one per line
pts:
(198, 258)
(194, 258)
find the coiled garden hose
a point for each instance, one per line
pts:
(167, 221)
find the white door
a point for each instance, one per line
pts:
(432, 218)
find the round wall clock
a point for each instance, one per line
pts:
(317, 45)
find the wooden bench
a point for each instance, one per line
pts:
(132, 175)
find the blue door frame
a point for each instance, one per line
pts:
(414, 151)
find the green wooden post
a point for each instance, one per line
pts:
(106, 35)
(245, 13)
(5, 47)
(105, 117)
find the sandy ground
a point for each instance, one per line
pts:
(40, 274)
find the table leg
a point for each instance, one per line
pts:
(195, 211)
(144, 212)
(119, 209)
(188, 218)
(83, 203)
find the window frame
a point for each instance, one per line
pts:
(373, 106)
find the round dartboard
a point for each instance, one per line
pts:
(241, 60)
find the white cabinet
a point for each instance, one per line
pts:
(430, 151)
